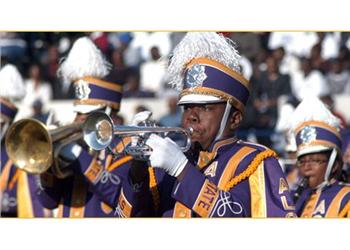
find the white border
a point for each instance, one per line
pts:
(179, 15)
(137, 15)
(286, 234)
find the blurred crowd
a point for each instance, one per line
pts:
(283, 68)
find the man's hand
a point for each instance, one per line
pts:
(140, 118)
(166, 155)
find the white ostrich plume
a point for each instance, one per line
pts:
(313, 108)
(201, 44)
(12, 85)
(84, 59)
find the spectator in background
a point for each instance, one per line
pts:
(36, 88)
(173, 117)
(248, 43)
(120, 72)
(132, 88)
(268, 89)
(144, 41)
(309, 82)
(338, 78)
(153, 72)
(50, 66)
(12, 46)
(317, 61)
(329, 43)
(132, 54)
(344, 57)
(288, 63)
(101, 41)
(38, 112)
(295, 43)
(175, 38)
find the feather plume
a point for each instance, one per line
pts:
(201, 44)
(84, 59)
(12, 85)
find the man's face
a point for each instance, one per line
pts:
(80, 117)
(205, 120)
(313, 167)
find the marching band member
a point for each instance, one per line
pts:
(317, 133)
(75, 195)
(221, 176)
(17, 194)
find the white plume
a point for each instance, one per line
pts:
(11, 83)
(84, 59)
(312, 108)
(201, 44)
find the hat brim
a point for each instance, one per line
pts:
(198, 99)
(312, 149)
(85, 109)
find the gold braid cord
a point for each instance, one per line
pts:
(250, 169)
(154, 188)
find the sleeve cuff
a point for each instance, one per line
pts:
(189, 187)
(88, 165)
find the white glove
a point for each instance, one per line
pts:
(141, 117)
(166, 155)
(71, 152)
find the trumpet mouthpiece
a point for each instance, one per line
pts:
(190, 130)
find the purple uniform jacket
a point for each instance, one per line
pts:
(19, 197)
(332, 201)
(235, 179)
(79, 196)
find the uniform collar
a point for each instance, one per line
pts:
(206, 157)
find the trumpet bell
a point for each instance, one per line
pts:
(29, 145)
(98, 130)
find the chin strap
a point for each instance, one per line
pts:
(224, 121)
(329, 168)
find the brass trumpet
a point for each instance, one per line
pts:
(33, 147)
(99, 132)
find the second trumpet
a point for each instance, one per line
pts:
(99, 131)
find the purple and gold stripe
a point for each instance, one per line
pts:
(221, 82)
(8, 110)
(102, 92)
(325, 135)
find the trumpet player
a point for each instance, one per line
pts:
(17, 195)
(319, 143)
(221, 176)
(77, 194)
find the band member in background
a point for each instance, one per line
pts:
(17, 195)
(317, 133)
(74, 194)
